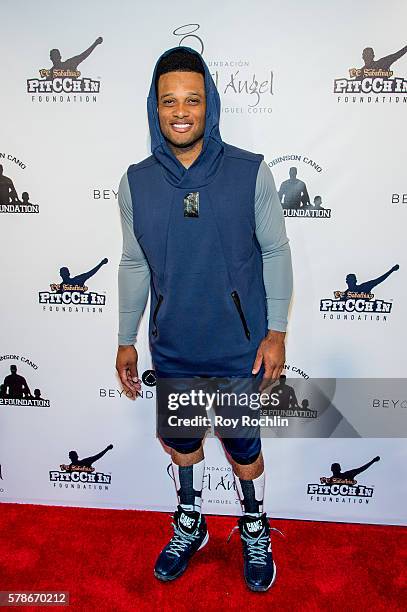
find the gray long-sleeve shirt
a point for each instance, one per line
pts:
(134, 271)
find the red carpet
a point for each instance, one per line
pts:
(104, 558)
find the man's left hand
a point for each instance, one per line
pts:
(271, 352)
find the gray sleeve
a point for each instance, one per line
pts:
(275, 248)
(134, 272)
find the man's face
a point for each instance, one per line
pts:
(182, 107)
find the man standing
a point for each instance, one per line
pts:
(204, 228)
(293, 192)
(8, 192)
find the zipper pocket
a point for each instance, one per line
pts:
(238, 305)
(156, 309)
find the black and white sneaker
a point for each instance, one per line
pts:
(258, 565)
(190, 534)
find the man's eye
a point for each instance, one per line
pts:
(167, 101)
(194, 100)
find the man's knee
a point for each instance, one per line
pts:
(183, 446)
(243, 451)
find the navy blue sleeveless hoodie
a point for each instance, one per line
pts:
(208, 303)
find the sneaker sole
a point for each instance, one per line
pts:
(175, 576)
(263, 589)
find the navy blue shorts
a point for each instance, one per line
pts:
(242, 442)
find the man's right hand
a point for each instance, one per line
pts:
(126, 366)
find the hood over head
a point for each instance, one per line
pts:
(204, 167)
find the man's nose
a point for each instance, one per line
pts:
(180, 110)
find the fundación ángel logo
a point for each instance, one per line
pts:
(71, 293)
(298, 199)
(62, 81)
(373, 80)
(243, 88)
(11, 200)
(17, 387)
(341, 486)
(357, 302)
(80, 473)
(218, 488)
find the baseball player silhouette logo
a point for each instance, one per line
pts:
(379, 68)
(63, 77)
(75, 283)
(72, 289)
(68, 67)
(85, 464)
(348, 476)
(358, 298)
(363, 290)
(374, 77)
(82, 472)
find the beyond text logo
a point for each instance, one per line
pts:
(358, 300)
(80, 473)
(71, 293)
(242, 87)
(374, 78)
(62, 81)
(342, 486)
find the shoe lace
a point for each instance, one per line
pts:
(180, 541)
(257, 546)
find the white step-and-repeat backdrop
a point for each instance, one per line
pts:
(293, 87)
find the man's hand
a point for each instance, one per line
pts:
(271, 352)
(126, 366)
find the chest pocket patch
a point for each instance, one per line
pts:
(191, 204)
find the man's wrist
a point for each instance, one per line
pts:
(274, 334)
